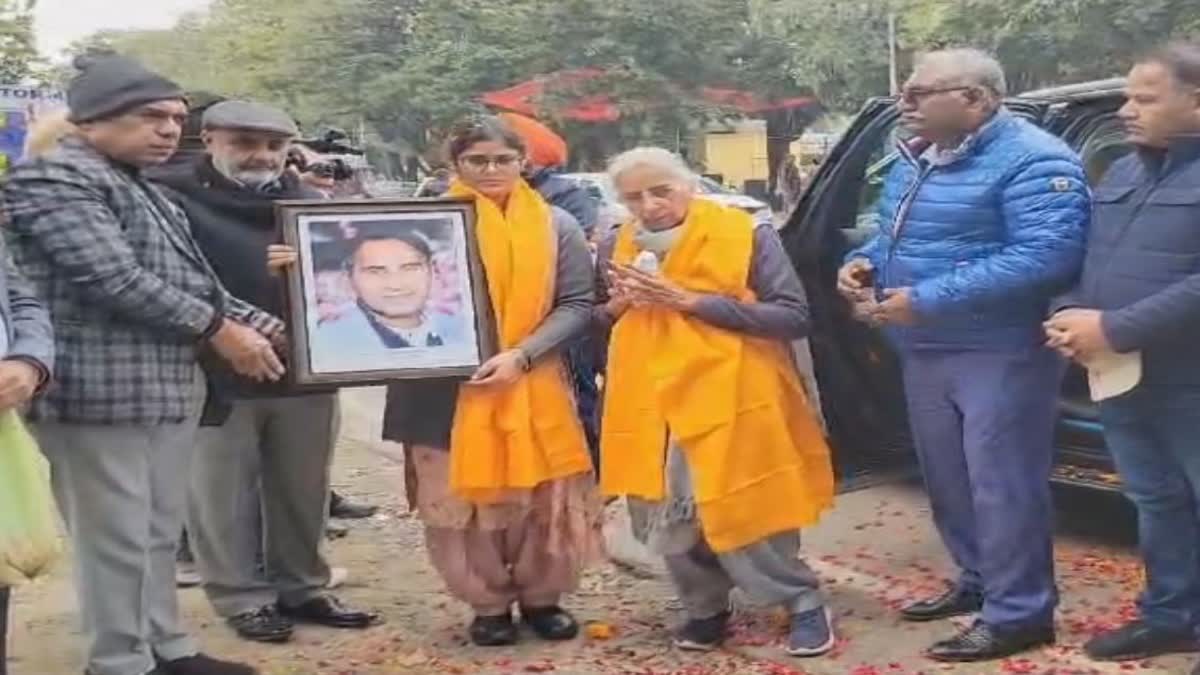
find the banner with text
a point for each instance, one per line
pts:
(19, 106)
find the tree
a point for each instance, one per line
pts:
(402, 70)
(838, 49)
(1045, 42)
(18, 48)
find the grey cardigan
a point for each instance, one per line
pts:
(573, 291)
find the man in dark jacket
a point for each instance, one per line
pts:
(267, 441)
(1140, 293)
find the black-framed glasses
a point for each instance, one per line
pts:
(917, 95)
(482, 162)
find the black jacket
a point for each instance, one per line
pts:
(1143, 260)
(234, 226)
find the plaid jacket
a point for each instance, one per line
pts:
(131, 297)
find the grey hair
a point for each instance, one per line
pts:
(656, 158)
(968, 67)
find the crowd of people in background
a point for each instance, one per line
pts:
(141, 303)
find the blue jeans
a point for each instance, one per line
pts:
(983, 422)
(1153, 434)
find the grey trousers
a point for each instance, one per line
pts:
(259, 502)
(122, 492)
(769, 571)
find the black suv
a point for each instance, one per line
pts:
(858, 373)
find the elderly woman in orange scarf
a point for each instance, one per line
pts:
(498, 466)
(706, 427)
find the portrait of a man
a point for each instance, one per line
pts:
(387, 294)
(392, 277)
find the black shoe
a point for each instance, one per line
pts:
(551, 623)
(702, 635)
(326, 610)
(265, 624)
(1136, 641)
(981, 643)
(1196, 670)
(493, 631)
(340, 507)
(203, 665)
(955, 602)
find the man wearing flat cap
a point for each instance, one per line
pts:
(268, 450)
(134, 302)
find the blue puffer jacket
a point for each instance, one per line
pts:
(983, 237)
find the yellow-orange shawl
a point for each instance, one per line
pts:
(521, 435)
(734, 403)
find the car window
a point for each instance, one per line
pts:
(882, 158)
(1104, 144)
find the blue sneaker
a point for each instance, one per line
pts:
(811, 633)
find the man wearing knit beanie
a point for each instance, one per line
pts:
(134, 302)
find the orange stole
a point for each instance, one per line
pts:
(527, 433)
(734, 404)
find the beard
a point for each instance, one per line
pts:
(253, 177)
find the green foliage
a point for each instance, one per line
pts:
(403, 69)
(1043, 42)
(18, 49)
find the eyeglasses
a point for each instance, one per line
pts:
(916, 95)
(482, 162)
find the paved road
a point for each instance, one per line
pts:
(875, 551)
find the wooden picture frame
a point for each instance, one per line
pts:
(384, 289)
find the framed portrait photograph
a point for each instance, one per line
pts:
(384, 290)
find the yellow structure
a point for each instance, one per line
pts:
(737, 152)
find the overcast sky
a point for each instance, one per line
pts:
(61, 22)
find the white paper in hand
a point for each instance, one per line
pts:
(1111, 374)
(646, 263)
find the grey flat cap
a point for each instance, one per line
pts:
(249, 116)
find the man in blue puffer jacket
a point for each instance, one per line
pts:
(983, 220)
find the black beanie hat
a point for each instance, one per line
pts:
(110, 84)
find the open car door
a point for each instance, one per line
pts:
(858, 374)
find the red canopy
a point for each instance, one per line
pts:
(524, 98)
